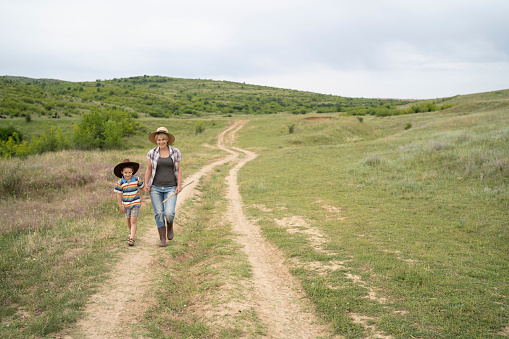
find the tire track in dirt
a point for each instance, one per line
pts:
(120, 303)
(278, 298)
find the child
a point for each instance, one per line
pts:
(128, 196)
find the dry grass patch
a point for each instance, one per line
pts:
(44, 190)
(60, 228)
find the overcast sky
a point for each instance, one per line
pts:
(356, 48)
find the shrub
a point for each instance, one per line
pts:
(299, 111)
(427, 107)
(52, 141)
(112, 134)
(373, 160)
(408, 125)
(14, 146)
(9, 131)
(104, 129)
(199, 128)
(385, 112)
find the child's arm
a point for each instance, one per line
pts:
(119, 199)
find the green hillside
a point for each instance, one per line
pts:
(395, 224)
(82, 113)
(165, 97)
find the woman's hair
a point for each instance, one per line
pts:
(164, 135)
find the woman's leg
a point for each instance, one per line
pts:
(169, 209)
(170, 204)
(157, 196)
(163, 211)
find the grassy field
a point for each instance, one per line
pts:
(418, 217)
(399, 224)
(60, 228)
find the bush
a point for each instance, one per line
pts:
(373, 160)
(427, 107)
(199, 128)
(112, 134)
(9, 131)
(54, 140)
(385, 112)
(13, 146)
(408, 125)
(104, 129)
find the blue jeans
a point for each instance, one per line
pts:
(158, 194)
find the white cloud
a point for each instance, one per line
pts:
(353, 48)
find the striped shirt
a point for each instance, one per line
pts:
(129, 191)
(153, 155)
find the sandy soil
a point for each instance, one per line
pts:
(276, 296)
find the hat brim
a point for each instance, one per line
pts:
(118, 169)
(152, 137)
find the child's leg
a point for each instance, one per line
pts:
(129, 224)
(128, 219)
(134, 226)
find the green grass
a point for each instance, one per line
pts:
(61, 231)
(40, 290)
(417, 218)
(423, 216)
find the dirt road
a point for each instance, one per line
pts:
(276, 297)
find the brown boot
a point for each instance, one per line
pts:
(162, 236)
(169, 227)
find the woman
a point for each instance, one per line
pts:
(162, 179)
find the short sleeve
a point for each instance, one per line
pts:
(179, 156)
(140, 183)
(118, 188)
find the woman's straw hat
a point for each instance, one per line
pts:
(126, 163)
(152, 136)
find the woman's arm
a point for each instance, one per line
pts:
(179, 178)
(148, 174)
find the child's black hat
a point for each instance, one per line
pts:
(126, 163)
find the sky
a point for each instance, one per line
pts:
(407, 49)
